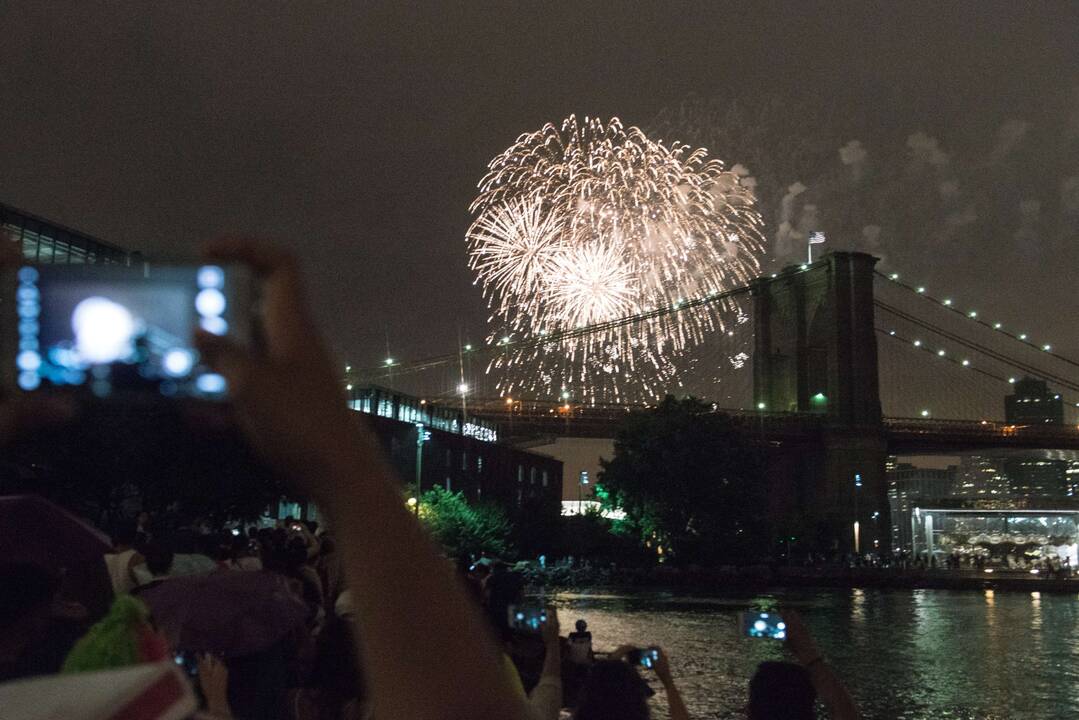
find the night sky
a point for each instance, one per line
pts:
(356, 132)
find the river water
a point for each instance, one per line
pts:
(904, 654)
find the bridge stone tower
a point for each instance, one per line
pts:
(816, 355)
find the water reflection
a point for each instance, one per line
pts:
(906, 654)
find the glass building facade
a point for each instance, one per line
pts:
(395, 405)
(46, 242)
(1008, 537)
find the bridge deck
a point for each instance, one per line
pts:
(903, 435)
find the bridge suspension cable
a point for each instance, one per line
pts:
(977, 347)
(491, 349)
(972, 315)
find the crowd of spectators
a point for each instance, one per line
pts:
(360, 618)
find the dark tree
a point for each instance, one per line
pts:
(463, 529)
(692, 486)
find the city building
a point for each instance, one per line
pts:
(1033, 478)
(581, 459)
(43, 241)
(1033, 403)
(459, 455)
(910, 487)
(981, 477)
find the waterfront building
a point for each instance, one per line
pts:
(44, 241)
(1014, 538)
(459, 454)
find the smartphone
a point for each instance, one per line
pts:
(121, 331)
(646, 658)
(763, 625)
(528, 618)
(187, 662)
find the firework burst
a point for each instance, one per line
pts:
(589, 222)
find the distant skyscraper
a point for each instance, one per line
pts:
(981, 477)
(1033, 404)
(1037, 478)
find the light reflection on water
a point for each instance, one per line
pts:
(904, 654)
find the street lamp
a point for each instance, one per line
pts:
(857, 526)
(581, 482)
(422, 436)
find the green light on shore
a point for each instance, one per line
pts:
(820, 398)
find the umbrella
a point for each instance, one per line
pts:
(34, 530)
(228, 612)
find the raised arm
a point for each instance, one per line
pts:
(674, 698)
(426, 651)
(829, 687)
(545, 700)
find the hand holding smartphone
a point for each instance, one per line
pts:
(763, 625)
(526, 618)
(121, 331)
(646, 657)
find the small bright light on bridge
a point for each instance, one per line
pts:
(1022, 336)
(1047, 348)
(348, 387)
(389, 361)
(917, 343)
(997, 326)
(565, 395)
(803, 266)
(348, 368)
(895, 276)
(973, 314)
(921, 289)
(940, 353)
(509, 401)
(462, 388)
(761, 406)
(505, 340)
(1011, 380)
(966, 363)
(925, 413)
(891, 332)
(467, 348)
(947, 301)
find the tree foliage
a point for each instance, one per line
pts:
(689, 483)
(464, 529)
